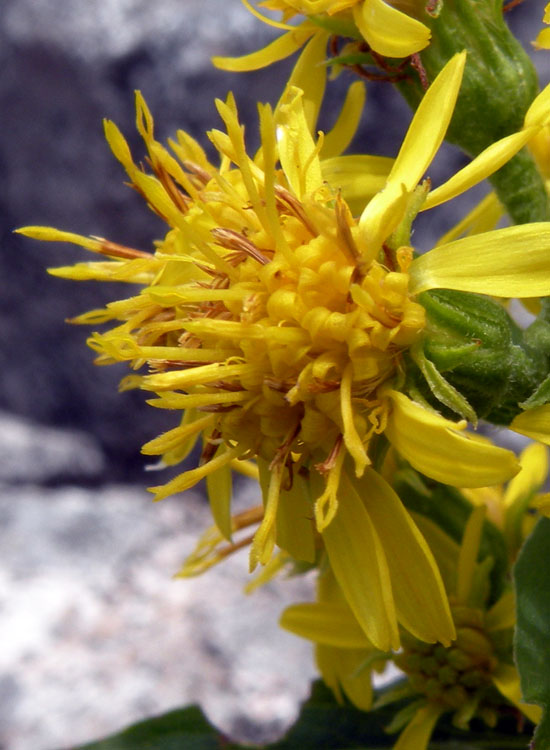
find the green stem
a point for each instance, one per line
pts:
(520, 188)
(498, 86)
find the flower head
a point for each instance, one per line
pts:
(387, 30)
(277, 322)
(473, 677)
(543, 39)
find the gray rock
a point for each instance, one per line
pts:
(32, 453)
(97, 635)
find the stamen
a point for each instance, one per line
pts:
(197, 171)
(295, 207)
(114, 250)
(346, 241)
(234, 241)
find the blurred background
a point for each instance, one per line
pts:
(94, 632)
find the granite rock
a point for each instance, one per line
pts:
(96, 634)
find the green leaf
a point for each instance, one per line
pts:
(323, 724)
(183, 728)
(532, 641)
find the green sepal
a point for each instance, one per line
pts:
(540, 397)
(340, 25)
(450, 510)
(482, 353)
(441, 388)
(357, 58)
(532, 638)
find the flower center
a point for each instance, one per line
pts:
(300, 331)
(457, 678)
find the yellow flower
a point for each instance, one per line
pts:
(387, 30)
(277, 323)
(508, 505)
(543, 39)
(473, 677)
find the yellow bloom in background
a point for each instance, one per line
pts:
(277, 323)
(473, 677)
(508, 506)
(543, 39)
(388, 31)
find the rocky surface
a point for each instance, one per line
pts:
(96, 633)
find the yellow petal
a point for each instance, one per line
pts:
(420, 599)
(502, 614)
(297, 150)
(359, 177)
(469, 549)
(429, 125)
(265, 19)
(488, 161)
(339, 137)
(264, 538)
(48, 234)
(294, 521)
(341, 669)
(219, 487)
(444, 549)
(310, 75)
(533, 474)
(476, 264)
(506, 680)
(543, 40)
(360, 567)
(424, 136)
(539, 110)
(483, 218)
(282, 47)
(534, 423)
(388, 31)
(352, 439)
(435, 446)
(189, 478)
(330, 624)
(418, 731)
(379, 219)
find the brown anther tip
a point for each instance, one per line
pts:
(197, 171)
(330, 461)
(114, 250)
(232, 240)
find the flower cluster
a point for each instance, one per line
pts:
(375, 26)
(475, 676)
(302, 340)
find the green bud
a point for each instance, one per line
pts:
(433, 688)
(440, 653)
(489, 716)
(430, 666)
(473, 679)
(418, 681)
(460, 660)
(463, 615)
(455, 696)
(484, 355)
(474, 643)
(447, 675)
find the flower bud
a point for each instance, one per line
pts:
(482, 353)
